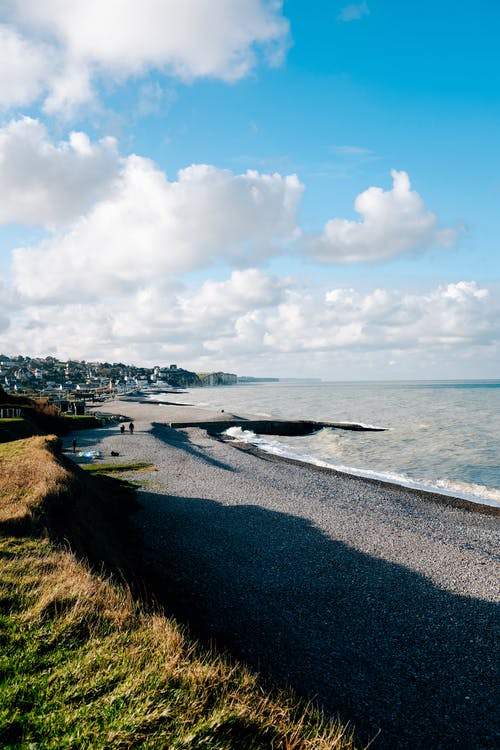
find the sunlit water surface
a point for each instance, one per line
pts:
(442, 435)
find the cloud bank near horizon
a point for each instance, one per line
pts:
(258, 323)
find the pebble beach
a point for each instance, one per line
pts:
(379, 602)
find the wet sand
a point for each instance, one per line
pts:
(374, 600)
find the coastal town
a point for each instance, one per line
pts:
(51, 377)
(80, 381)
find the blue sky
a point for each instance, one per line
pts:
(286, 189)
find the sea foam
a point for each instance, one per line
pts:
(471, 492)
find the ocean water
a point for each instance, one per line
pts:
(439, 435)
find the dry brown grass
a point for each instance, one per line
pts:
(28, 475)
(88, 666)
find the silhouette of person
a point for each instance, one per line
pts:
(131, 428)
(74, 445)
(122, 428)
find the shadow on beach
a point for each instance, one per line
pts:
(178, 440)
(368, 639)
(86, 440)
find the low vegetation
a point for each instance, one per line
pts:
(84, 664)
(117, 468)
(40, 417)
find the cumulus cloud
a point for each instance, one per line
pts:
(149, 226)
(243, 291)
(253, 321)
(393, 222)
(452, 317)
(196, 314)
(345, 329)
(453, 313)
(6, 306)
(47, 183)
(91, 40)
(26, 67)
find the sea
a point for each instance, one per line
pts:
(442, 436)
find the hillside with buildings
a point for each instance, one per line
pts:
(48, 376)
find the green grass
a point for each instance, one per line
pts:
(99, 468)
(81, 666)
(85, 665)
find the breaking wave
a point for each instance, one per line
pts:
(277, 447)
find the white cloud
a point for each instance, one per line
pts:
(25, 68)
(393, 222)
(149, 227)
(450, 314)
(90, 40)
(46, 183)
(243, 291)
(255, 322)
(6, 306)
(68, 87)
(354, 12)
(452, 318)
(194, 316)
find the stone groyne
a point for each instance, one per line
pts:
(284, 427)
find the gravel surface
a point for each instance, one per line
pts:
(377, 602)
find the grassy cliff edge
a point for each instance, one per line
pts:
(84, 664)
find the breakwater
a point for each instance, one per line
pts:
(283, 427)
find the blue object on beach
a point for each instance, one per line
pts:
(94, 455)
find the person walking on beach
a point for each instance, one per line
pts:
(122, 428)
(131, 428)
(74, 445)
